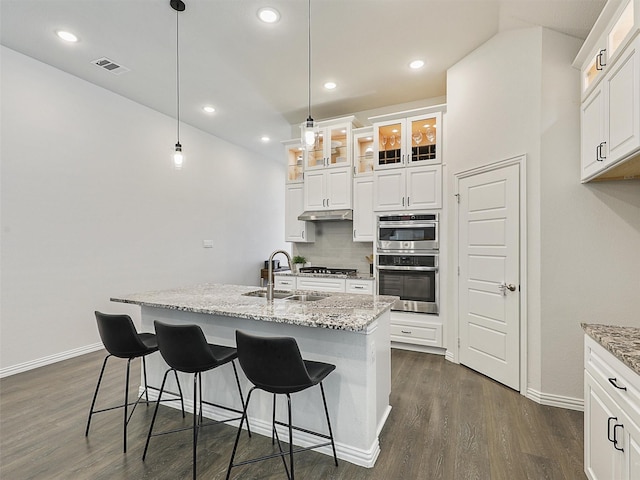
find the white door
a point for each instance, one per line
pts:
(364, 224)
(314, 190)
(489, 280)
(339, 182)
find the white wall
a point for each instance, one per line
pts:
(92, 208)
(517, 94)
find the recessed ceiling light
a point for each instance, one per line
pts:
(208, 109)
(265, 138)
(330, 85)
(67, 36)
(268, 15)
(416, 64)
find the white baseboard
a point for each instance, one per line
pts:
(552, 400)
(41, 362)
(364, 458)
(418, 348)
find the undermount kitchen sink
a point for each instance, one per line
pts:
(286, 296)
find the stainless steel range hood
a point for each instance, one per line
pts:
(319, 215)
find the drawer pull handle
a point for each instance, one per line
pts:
(615, 437)
(358, 287)
(407, 332)
(614, 381)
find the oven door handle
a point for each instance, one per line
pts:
(408, 269)
(407, 225)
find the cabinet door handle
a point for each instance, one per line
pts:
(303, 234)
(403, 201)
(599, 156)
(354, 233)
(615, 437)
(408, 201)
(406, 332)
(614, 381)
(612, 440)
(327, 202)
(599, 63)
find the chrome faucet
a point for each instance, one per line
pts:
(270, 274)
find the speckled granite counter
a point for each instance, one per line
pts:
(339, 311)
(622, 342)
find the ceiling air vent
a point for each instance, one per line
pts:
(110, 65)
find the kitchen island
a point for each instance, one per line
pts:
(349, 330)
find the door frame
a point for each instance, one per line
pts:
(521, 161)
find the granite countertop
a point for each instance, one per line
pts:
(357, 276)
(622, 342)
(339, 311)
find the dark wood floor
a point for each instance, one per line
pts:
(447, 422)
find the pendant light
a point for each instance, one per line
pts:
(178, 157)
(309, 128)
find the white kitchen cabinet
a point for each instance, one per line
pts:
(295, 161)
(328, 189)
(416, 329)
(332, 147)
(294, 229)
(611, 416)
(610, 112)
(618, 23)
(363, 218)
(359, 285)
(284, 282)
(408, 141)
(321, 284)
(363, 151)
(610, 120)
(412, 188)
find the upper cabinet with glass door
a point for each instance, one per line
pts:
(613, 35)
(332, 147)
(408, 141)
(295, 161)
(363, 151)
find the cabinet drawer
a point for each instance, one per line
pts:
(321, 284)
(429, 334)
(285, 283)
(359, 286)
(620, 382)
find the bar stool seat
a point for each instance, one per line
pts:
(121, 340)
(275, 365)
(185, 349)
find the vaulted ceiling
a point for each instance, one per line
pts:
(256, 74)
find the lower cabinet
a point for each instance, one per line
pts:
(416, 329)
(611, 416)
(324, 284)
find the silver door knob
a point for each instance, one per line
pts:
(504, 287)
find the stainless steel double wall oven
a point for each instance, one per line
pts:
(407, 260)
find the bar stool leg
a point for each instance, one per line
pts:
(144, 373)
(273, 421)
(290, 437)
(155, 413)
(235, 445)
(95, 395)
(126, 404)
(195, 419)
(179, 391)
(235, 371)
(326, 411)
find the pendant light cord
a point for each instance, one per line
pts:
(178, 72)
(309, 57)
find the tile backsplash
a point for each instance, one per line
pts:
(334, 247)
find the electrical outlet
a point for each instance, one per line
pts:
(207, 243)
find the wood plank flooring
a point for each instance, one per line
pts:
(447, 423)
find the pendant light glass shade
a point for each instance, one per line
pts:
(309, 132)
(178, 157)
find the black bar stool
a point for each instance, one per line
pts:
(121, 340)
(274, 364)
(185, 349)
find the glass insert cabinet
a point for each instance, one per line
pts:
(332, 147)
(408, 141)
